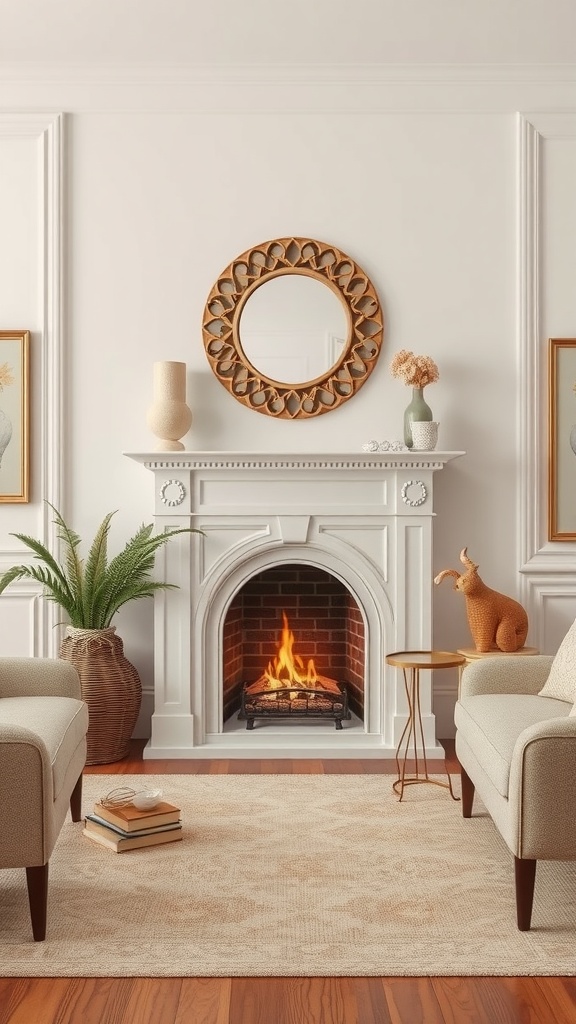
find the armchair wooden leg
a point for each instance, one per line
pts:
(37, 880)
(76, 800)
(525, 876)
(467, 794)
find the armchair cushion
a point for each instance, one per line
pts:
(561, 681)
(492, 724)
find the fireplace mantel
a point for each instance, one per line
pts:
(366, 518)
(302, 460)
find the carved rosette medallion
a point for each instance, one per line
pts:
(413, 493)
(172, 493)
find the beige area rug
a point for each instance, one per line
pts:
(292, 875)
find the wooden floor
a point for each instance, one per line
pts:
(282, 1000)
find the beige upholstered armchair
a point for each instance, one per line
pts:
(517, 749)
(43, 724)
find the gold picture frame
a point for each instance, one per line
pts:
(14, 416)
(562, 439)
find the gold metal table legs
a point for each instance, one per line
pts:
(412, 735)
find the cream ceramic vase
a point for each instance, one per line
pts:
(169, 417)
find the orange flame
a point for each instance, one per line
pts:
(287, 671)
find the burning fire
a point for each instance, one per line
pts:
(287, 671)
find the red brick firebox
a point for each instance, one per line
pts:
(323, 615)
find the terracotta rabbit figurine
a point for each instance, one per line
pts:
(495, 621)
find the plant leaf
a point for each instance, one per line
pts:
(92, 592)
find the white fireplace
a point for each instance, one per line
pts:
(365, 519)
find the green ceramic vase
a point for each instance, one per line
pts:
(417, 410)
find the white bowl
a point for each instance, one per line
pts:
(147, 799)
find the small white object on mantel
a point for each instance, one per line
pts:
(385, 446)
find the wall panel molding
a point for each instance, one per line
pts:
(283, 88)
(47, 464)
(544, 564)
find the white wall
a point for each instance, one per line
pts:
(417, 177)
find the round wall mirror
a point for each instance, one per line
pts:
(292, 328)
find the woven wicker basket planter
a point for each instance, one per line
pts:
(111, 688)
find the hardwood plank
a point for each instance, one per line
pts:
(342, 766)
(560, 994)
(412, 1001)
(244, 766)
(506, 1000)
(175, 766)
(23, 1000)
(145, 1000)
(378, 766)
(292, 1001)
(276, 766)
(370, 1000)
(307, 766)
(84, 1000)
(218, 767)
(203, 1000)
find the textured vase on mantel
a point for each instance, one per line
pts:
(169, 417)
(417, 410)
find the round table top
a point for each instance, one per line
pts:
(471, 653)
(426, 659)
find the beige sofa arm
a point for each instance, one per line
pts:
(544, 766)
(511, 674)
(38, 677)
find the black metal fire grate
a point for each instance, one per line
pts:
(294, 703)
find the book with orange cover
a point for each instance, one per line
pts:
(118, 844)
(130, 819)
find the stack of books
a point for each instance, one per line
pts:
(127, 828)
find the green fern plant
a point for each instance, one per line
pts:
(91, 591)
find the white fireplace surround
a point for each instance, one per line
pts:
(365, 518)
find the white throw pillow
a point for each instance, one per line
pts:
(561, 681)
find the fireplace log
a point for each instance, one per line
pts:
(293, 703)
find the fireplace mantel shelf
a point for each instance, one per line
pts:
(294, 460)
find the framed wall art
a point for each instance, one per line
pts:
(14, 416)
(562, 439)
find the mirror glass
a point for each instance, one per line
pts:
(293, 328)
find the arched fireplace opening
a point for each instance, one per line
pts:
(298, 613)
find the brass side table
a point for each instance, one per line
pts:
(412, 662)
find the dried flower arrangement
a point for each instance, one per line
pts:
(6, 376)
(417, 371)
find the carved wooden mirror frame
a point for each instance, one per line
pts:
(250, 270)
